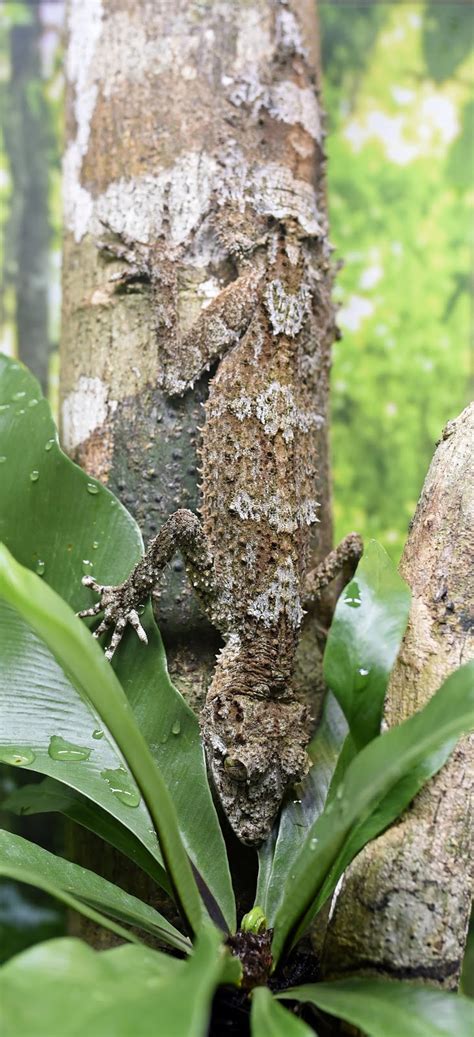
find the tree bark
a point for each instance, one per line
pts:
(187, 123)
(176, 114)
(403, 909)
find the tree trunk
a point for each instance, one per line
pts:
(191, 129)
(176, 116)
(403, 910)
(27, 231)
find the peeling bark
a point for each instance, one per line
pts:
(403, 910)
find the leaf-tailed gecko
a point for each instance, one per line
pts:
(247, 556)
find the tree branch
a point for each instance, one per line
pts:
(403, 909)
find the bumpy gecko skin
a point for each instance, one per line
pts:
(248, 558)
(265, 321)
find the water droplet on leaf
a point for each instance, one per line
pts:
(49, 445)
(95, 545)
(87, 565)
(59, 749)
(92, 488)
(34, 475)
(16, 755)
(122, 786)
(363, 672)
(176, 727)
(33, 403)
(98, 733)
(313, 843)
(19, 395)
(40, 567)
(2, 459)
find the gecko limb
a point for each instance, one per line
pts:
(342, 561)
(219, 327)
(181, 532)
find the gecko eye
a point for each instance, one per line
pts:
(236, 770)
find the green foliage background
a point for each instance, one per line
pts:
(398, 92)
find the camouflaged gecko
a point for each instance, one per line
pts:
(248, 555)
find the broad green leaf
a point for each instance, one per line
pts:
(364, 639)
(38, 703)
(80, 527)
(269, 1019)
(277, 855)
(369, 780)
(389, 808)
(83, 660)
(64, 988)
(50, 796)
(60, 987)
(18, 854)
(387, 1008)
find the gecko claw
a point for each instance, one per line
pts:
(117, 606)
(88, 581)
(90, 612)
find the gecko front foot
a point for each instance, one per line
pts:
(119, 606)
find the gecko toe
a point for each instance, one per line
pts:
(134, 621)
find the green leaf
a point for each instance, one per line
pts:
(83, 660)
(269, 1019)
(64, 987)
(279, 852)
(18, 855)
(78, 521)
(38, 702)
(364, 639)
(370, 779)
(386, 1008)
(50, 796)
(389, 808)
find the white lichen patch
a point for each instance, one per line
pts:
(288, 34)
(277, 411)
(241, 407)
(287, 312)
(275, 408)
(276, 510)
(307, 513)
(208, 290)
(128, 54)
(136, 208)
(254, 42)
(85, 26)
(274, 191)
(85, 410)
(293, 104)
(281, 597)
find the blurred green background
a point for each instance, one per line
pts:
(398, 90)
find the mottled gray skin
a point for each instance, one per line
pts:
(248, 558)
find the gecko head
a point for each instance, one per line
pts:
(255, 751)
